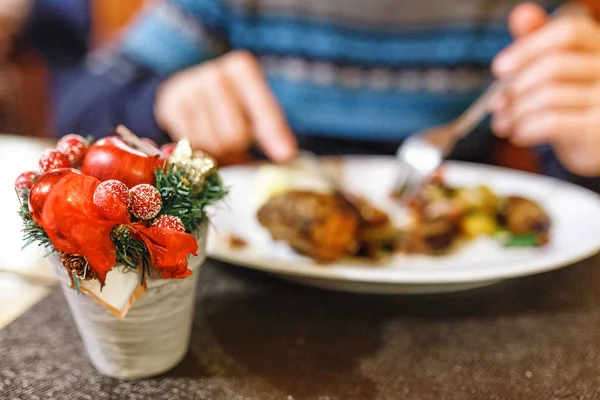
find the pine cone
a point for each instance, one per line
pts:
(78, 266)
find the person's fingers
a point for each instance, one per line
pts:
(174, 118)
(556, 96)
(230, 121)
(501, 125)
(545, 127)
(567, 33)
(204, 134)
(526, 18)
(556, 67)
(268, 121)
(578, 150)
(500, 108)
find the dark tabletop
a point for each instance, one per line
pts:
(256, 337)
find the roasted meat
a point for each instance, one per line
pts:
(321, 226)
(523, 216)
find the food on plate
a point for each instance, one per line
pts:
(237, 242)
(319, 225)
(445, 216)
(326, 226)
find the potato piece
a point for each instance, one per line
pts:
(476, 198)
(489, 200)
(477, 224)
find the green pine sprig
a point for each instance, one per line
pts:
(131, 252)
(32, 232)
(181, 201)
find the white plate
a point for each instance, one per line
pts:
(575, 235)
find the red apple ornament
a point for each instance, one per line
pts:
(112, 158)
(42, 187)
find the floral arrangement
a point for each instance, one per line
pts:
(120, 201)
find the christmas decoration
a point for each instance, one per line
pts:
(74, 146)
(112, 158)
(77, 265)
(112, 197)
(145, 201)
(129, 225)
(196, 164)
(129, 210)
(169, 222)
(53, 159)
(179, 200)
(25, 181)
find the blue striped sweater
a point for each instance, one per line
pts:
(367, 72)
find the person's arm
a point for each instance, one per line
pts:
(118, 85)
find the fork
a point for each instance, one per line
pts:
(419, 156)
(314, 163)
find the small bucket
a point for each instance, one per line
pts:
(155, 334)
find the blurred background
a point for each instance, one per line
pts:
(25, 78)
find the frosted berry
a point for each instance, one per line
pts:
(25, 181)
(53, 159)
(74, 146)
(169, 222)
(144, 201)
(113, 199)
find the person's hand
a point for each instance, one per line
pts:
(224, 106)
(553, 69)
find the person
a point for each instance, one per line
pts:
(345, 77)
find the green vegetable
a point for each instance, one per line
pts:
(522, 241)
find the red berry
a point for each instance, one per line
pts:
(53, 159)
(169, 222)
(167, 150)
(113, 199)
(25, 181)
(74, 146)
(145, 201)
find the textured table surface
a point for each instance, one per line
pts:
(258, 338)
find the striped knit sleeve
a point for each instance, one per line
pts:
(117, 84)
(174, 34)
